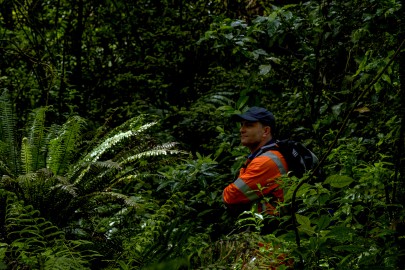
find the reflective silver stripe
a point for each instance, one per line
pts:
(246, 190)
(276, 160)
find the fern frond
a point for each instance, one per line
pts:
(153, 152)
(133, 177)
(101, 133)
(154, 228)
(168, 145)
(26, 156)
(110, 142)
(62, 262)
(62, 148)
(69, 188)
(128, 200)
(219, 98)
(7, 134)
(159, 150)
(94, 169)
(36, 243)
(25, 179)
(33, 188)
(37, 137)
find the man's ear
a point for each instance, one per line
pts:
(267, 130)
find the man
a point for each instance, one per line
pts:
(259, 176)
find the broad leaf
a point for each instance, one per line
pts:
(323, 222)
(264, 69)
(341, 233)
(303, 220)
(339, 181)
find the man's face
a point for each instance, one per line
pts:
(251, 134)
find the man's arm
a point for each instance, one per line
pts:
(263, 172)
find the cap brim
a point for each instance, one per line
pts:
(241, 117)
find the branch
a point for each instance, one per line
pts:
(332, 145)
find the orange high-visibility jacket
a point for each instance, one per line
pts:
(264, 169)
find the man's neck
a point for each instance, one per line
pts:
(257, 148)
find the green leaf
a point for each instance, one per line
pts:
(351, 248)
(306, 229)
(323, 222)
(303, 220)
(275, 60)
(341, 233)
(264, 69)
(257, 53)
(241, 102)
(3, 249)
(386, 78)
(363, 63)
(377, 87)
(301, 191)
(339, 181)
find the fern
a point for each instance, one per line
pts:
(69, 188)
(62, 148)
(137, 177)
(80, 194)
(153, 231)
(26, 156)
(150, 153)
(7, 132)
(128, 200)
(37, 137)
(91, 175)
(36, 243)
(110, 142)
(218, 98)
(93, 169)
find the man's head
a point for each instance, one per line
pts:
(257, 127)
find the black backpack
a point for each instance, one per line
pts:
(299, 158)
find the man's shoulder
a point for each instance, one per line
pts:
(273, 152)
(268, 157)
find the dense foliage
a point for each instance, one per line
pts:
(116, 143)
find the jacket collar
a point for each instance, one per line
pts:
(262, 149)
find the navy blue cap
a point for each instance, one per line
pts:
(258, 114)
